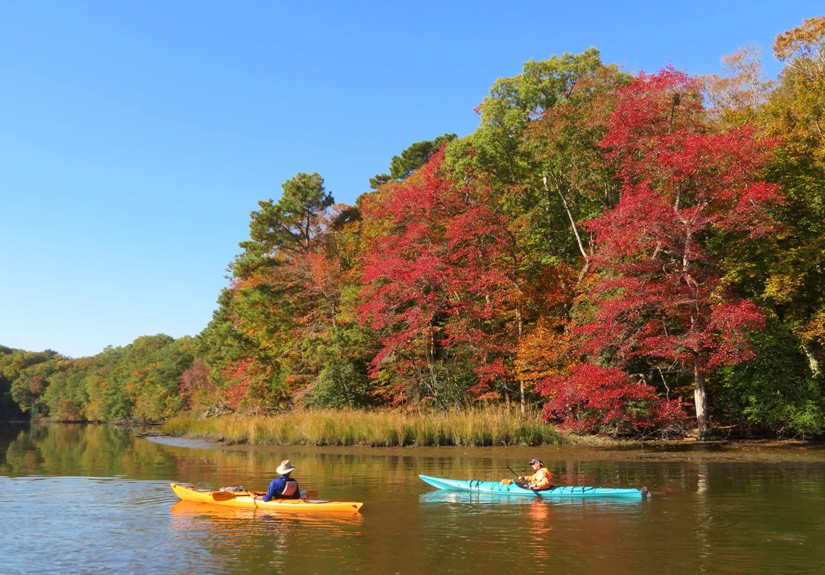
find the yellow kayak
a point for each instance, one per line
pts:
(252, 500)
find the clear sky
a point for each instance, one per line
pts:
(137, 136)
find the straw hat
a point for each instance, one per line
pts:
(285, 467)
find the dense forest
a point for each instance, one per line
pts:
(628, 253)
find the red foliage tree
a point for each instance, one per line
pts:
(404, 291)
(196, 391)
(597, 399)
(660, 297)
(439, 282)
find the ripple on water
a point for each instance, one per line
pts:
(82, 525)
(87, 525)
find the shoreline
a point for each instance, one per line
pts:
(768, 450)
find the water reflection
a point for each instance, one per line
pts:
(537, 532)
(97, 499)
(258, 538)
(78, 449)
(473, 497)
(230, 537)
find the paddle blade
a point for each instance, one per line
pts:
(226, 495)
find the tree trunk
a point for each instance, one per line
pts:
(522, 397)
(813, 363)
(573, 226)
(700, 394)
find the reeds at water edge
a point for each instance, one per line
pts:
(487, 426)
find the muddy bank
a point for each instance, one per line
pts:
(674, 450)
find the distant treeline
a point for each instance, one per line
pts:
(632, 254)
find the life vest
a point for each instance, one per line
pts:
(290, 488)
(543, 478)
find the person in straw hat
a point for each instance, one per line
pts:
(283, 487)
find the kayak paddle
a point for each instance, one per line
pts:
(227, 495)
(523, 486)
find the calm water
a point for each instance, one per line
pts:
(93, 499)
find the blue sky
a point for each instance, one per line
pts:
(137, 136)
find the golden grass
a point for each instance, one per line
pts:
(489, 426)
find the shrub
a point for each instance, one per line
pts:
(594, 399)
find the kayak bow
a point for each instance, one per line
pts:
(248, 501)
(510, 488)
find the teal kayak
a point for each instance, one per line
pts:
(510, 488)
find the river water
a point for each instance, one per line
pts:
(78, 499)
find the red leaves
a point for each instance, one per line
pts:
(596, 399)
(657, 138)
(195, 385)
(729, 322)
(438, 274)
(659, 295)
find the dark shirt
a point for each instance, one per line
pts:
(276, 488)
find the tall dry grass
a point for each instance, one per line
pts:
(488, 426)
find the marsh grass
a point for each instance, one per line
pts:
(489, 426)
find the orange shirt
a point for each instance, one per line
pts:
(541, 479)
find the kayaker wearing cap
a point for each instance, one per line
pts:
(283, 487)
(541, 478)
